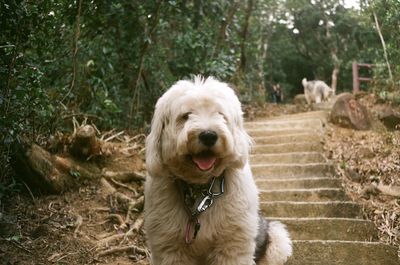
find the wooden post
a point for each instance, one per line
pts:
(356, 81)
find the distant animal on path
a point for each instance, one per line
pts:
(316, 91)
(201, 201)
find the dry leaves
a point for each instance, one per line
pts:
(368, 162)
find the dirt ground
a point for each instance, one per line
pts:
(91, 225)
(99, 222)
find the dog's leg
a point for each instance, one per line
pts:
(233, 259)
(318, 99)
(230, 252)
(307, 96)
(172, 258)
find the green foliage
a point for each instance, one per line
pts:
(387, 13)
(110, 61)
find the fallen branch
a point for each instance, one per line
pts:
(78, 224)
(124, 186)
(114, 250)
(389, 190)
(47, 172)
(107, 187)
(124, 176)
(114, 136)
(134, 229)
(120, 220)
(138, 204)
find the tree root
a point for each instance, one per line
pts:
(114, 250)
(124, 176)
(78, 224)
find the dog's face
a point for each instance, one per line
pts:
(197, 132)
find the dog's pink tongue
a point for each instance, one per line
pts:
(204, 163)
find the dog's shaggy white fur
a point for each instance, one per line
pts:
(176, 151)
(316, 91)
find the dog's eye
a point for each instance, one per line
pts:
(185, 116)
(223, 115)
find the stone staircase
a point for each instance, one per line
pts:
(298, 187)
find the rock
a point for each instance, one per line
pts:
(41, 231)
(300, 100)
(388, 117)
(353, 175)
(361, 94)
(8, 226)
(348, 112)
(389, 190)
(369, 190)
(366, 152)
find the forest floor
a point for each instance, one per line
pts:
(91, 225)
(368, 162)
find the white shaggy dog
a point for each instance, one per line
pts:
(201, 204)
(316, 91)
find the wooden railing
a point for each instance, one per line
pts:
(356, 77)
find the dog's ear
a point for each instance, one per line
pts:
(243, 141)
(304, 82)
(154, 163)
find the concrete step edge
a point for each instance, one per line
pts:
(255, 138)
(258, 177)
(291, 164)
(312, 203)
(289, 153)
(277, 132)
(301, 190)
(284, 144)
(295, 179)
(283, 121)
(368, 243)
(304, 219)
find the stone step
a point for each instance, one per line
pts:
(346, 229)
(319, 252)
(344, 209)
(298, 183)
(323, 106)
(309, 123)
(264, 132)
(295, 157)
(301, 195)
(302, 115)
(289, 138)
(294, 170)
(287, 148)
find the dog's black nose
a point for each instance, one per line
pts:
(208, 138)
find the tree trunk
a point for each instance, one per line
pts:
(75, 39)
(84, 144)
(378, 29)
(52, 173)
(335, 73)
(46, 172)
(242, 62)
(224, 25)
(134, 84)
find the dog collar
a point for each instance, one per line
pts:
(197, 199)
